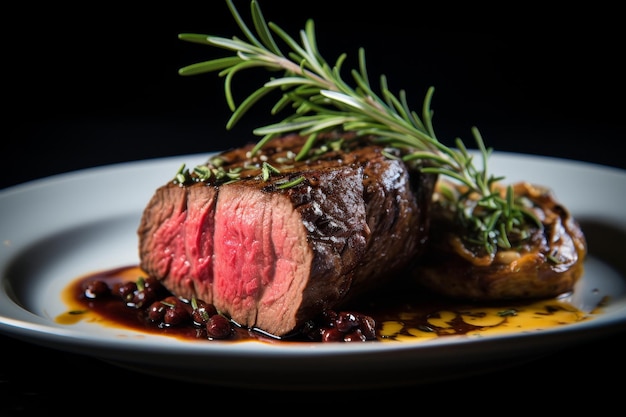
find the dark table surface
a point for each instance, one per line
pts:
(115, 97)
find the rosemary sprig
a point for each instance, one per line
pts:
(322, 101)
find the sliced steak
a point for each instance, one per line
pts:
(271, 256)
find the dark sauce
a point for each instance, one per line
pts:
(400, 312)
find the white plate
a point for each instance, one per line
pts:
(58, 228)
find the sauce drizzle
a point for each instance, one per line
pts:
(402, 312)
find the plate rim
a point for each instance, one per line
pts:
(40, 332)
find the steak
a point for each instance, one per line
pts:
(270, 254)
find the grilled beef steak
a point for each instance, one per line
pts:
(272, 255)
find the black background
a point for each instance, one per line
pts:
(97, 83)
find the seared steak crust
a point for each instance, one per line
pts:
(272, 256)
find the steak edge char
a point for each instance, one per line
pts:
(272, 258)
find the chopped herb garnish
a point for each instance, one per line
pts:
(291, 183)
(507, 313)
(77, 312)
(267, 170)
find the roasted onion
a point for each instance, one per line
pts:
(545, 261)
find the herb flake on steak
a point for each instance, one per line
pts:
(271, 256)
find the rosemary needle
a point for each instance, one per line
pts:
(322, 101)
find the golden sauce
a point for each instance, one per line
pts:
(402, 312)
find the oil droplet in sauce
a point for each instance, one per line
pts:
(403, 313)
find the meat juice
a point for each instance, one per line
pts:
(403, 312)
